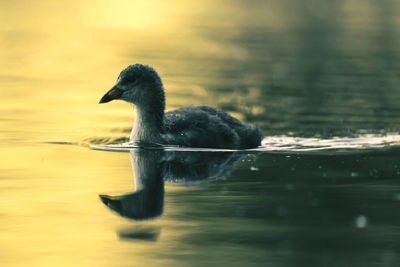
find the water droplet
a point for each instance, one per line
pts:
(374, 173)
(396, 196)
(289, 186)
(361, 221)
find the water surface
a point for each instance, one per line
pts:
(320, 78)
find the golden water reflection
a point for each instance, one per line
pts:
(305, 68)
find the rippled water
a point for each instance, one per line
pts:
(320, 78)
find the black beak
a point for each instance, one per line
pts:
(114, 93)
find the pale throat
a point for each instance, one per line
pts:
(146, 127)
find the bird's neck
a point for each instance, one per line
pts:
(148, 125)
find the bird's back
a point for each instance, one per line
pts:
(202, 126)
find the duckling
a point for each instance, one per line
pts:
(193, 126)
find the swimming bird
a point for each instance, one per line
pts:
(193, 126)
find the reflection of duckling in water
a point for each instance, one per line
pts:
(152, 167)
(196, 126)
(148, 199)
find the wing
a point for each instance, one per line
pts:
(199, 127)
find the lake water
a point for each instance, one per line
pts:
(320, 78)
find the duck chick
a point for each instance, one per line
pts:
(194, 126)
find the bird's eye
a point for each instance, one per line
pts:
(119, 78)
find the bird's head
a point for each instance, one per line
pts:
(138, 84)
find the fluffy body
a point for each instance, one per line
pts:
(194, 126)
(202, 126)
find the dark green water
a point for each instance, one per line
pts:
(279, 209)
(320, 78)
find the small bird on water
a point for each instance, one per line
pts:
(193, 126)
